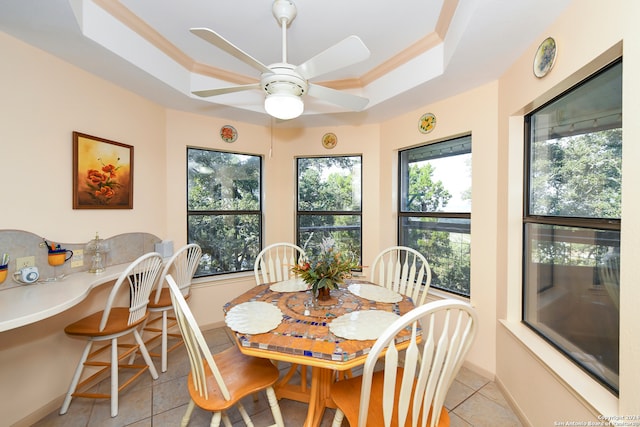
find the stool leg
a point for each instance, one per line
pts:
(164, 341)
(145, 354)
(114, 377)
(75, 379)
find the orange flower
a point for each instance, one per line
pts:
(109, 169)
(95, 176)
(106, 192)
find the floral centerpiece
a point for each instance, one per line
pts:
(327, 271)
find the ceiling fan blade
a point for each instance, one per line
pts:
(342, 54)
(343, 99)
(223, 90)
(221, 43)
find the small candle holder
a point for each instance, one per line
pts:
(96, 249)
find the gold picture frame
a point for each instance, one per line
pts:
(102, 173)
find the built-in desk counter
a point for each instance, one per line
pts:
(20, 306)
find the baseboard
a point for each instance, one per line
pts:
(40, 413)
(514, 405)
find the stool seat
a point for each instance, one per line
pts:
(164, 301)
(118, 323)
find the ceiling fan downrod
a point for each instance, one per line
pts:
(284, 11)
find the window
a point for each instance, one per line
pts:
(572, 223)
(435, 209)
(224, 209)
(329, 203)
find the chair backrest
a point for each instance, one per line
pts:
(182, 266)
(403, 270)
(274, 262)
(141, 275)
(195, 343)
(449, 327)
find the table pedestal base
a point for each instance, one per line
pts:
(318, 396)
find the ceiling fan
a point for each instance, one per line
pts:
(285, 84)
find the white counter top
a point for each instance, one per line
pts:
(27, 304)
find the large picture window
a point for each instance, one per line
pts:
(572, 223)
(435, 209)
(224, 209)
(329, 203)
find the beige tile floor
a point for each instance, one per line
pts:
(472, 401)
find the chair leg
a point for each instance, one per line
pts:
(75, 379)
(215, 419)
(244, 414)
(164, 341)
(275, 407)
(187, 415)
(114, 377)
(337, 419)
(226, 421)
(145, 354)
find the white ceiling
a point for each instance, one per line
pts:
(482, 40)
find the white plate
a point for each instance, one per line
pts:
(291, 285)
(253, 317)
(374, 292)
(362, 325)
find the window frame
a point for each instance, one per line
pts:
(587, 224)
(259, 213)
(300, 213)
(402, 213)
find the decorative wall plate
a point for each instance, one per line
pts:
(427, 123)
(545, 57)
(228, 133)
(329, 140)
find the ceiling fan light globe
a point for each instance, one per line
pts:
(283, 106)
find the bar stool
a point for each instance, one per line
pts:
(182, 266)
(109, 325)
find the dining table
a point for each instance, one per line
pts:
(284, 322)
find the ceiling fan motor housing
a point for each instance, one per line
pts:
(283, 79)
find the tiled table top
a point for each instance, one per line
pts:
(302, 334)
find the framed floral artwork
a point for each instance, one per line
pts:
(102, 173)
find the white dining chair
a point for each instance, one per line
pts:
(218, 382)
(274, 262)
(182, 266)
(403, 270)
(111, 324)
(413, 383)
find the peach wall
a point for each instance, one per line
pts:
(43, 101)
(473, 112)
(544, 386)
(279, 149)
